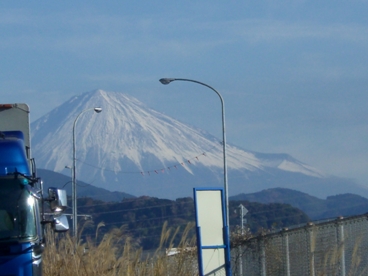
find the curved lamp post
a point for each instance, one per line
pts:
(169, 80)
(74, 179)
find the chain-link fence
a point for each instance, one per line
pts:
(335, 247)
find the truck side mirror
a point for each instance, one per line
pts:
(60, 224)
(58, 200)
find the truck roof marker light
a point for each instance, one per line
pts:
(6, 106)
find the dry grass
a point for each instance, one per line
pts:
(117, 254)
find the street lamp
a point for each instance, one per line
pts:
(74, 179)
(169, 80)
(71, 170)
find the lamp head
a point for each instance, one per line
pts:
(166, 80)
(97, 109)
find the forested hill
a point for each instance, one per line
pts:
(316, 208)
(144, 217)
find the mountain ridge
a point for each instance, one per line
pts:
(61, 181)
(314, 207)
(132, 148)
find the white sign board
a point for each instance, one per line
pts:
(213, 247)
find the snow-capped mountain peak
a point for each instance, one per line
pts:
(132, 148)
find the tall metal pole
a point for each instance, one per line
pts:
(167, 81)
(74, 179)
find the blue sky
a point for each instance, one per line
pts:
(293, 74)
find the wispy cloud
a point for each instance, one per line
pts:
(123, 36)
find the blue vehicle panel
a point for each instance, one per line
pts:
(16, 259)
(12, 153)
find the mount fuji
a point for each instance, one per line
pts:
(131, 148)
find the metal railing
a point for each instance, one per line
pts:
(335, 247)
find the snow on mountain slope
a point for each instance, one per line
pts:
(125, 129)
(131, 148)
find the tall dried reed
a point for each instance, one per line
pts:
(117, 254)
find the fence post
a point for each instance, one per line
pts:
(312, 245)
(240, 260)
(243, 212)
(287, 256)
(263, 256)
(341, 242)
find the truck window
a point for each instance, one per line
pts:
(17, 211)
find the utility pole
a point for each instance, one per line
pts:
(243, 212)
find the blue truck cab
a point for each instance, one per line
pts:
(22, 216)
